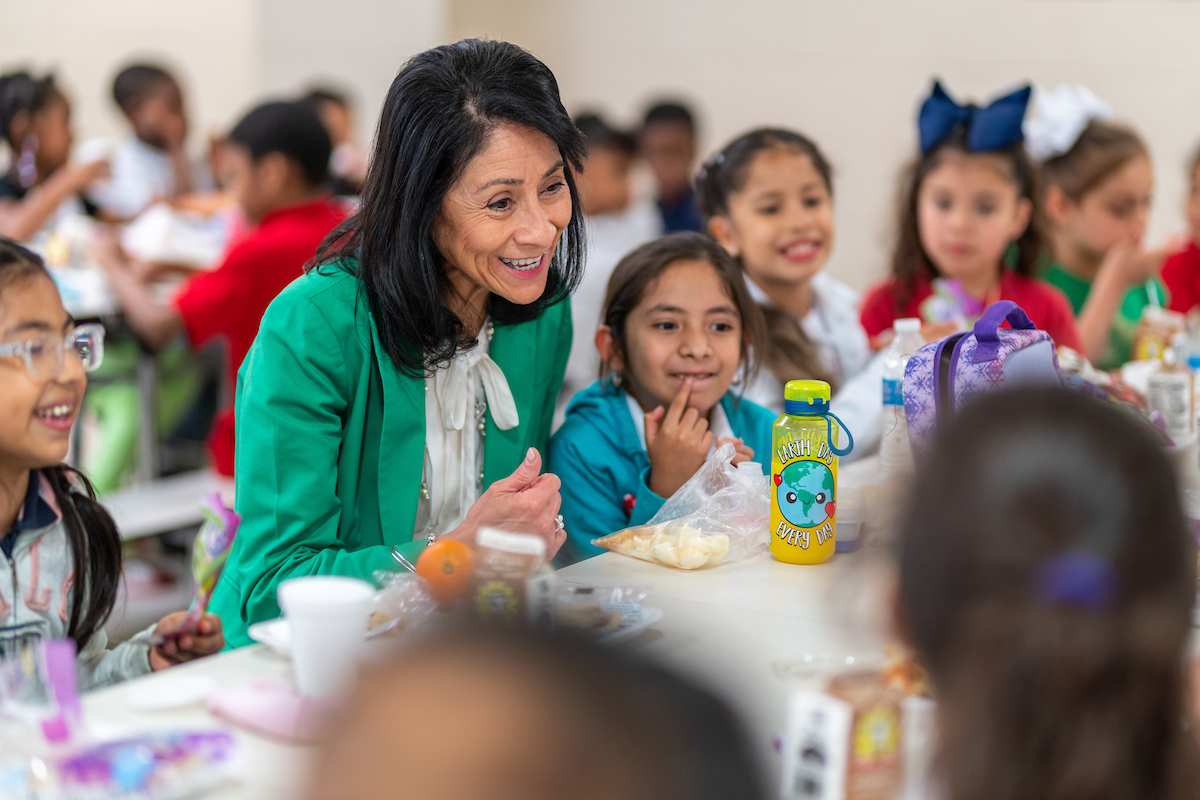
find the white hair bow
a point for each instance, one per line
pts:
(1059, 117)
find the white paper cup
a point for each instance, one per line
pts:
(328, 617)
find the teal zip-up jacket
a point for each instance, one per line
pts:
(605, 471)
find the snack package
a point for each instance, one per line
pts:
(598, 611)
(509, 580)
(209, 554)
(845, 743)
(402, 603)
(721, 514)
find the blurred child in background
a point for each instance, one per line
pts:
(41, 184)
(1047, 577)
(969, 228)
(348, 162)
(668, 144)
(767, 197)
(616, 224)
(1181, 271)
(511, 715)
(152, 164)
(1097, 199)
(678, 327)
(62, 543)
(276, 160)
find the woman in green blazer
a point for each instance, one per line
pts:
(403, 388)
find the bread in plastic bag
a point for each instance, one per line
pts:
(721, 514)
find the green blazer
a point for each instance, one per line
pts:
(331, 440)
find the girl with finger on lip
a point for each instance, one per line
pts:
(767, 198)
(678, 325)
(62, 547)
(970, 227)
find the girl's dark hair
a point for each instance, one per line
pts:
(91, 533)
(909, 259)
(788, 353)
(1047, 576)
(637, 272)
(1101, 150)
(439, 113)
(21, 92)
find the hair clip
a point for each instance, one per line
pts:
(992, 128)
(1076, 577)
(713, 161)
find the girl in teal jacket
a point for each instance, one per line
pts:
(678, 323)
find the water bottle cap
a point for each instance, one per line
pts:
(907, 325)
(810, 392)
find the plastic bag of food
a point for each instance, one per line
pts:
(721, 514)
(402, 603)
(598, 610)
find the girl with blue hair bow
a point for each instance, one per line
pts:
(969, 231)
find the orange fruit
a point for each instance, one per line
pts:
(446, 567)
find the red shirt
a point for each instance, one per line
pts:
(230, 301)
(1181, 274)
(1046, 306)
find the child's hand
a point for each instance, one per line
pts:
(176, 649)
(1135, 266)
(79, 176)
(741, 452)
(677, 441)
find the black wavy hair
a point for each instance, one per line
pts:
(21, 92)
(438, 114)
(134, 83)
(292, 129)
(92, 535)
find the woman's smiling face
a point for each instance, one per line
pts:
(501, 221)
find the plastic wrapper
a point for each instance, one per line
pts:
(721, 514)
(402, 603)
(598, 610)
(209, 554)
(158, 766)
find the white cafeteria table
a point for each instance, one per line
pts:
(734, 628)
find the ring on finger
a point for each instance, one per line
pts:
(559, 523)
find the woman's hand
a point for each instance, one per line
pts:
(180, 647)
(677, 441)
(524, 502)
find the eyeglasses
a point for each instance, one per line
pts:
(44, 354)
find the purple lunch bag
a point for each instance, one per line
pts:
(943, 375)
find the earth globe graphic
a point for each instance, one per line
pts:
(805, 492)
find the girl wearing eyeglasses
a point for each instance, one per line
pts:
(62, 547)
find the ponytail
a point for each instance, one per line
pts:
(95, 546)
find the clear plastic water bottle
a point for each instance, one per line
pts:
(895, 452)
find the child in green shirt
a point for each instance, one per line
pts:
(1098, 195)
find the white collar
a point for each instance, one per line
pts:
(718, 422)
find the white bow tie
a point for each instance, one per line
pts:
(456, 393)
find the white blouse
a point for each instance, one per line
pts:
(457, 399)
(832, 324)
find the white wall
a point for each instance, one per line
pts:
(851, 73)
(848, 73)
(229, 54)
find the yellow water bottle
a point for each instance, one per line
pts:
(804, 468)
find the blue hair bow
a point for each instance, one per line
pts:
(993, 128)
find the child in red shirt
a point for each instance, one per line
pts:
(969, 199)
(275, 162)
(1181, 272)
